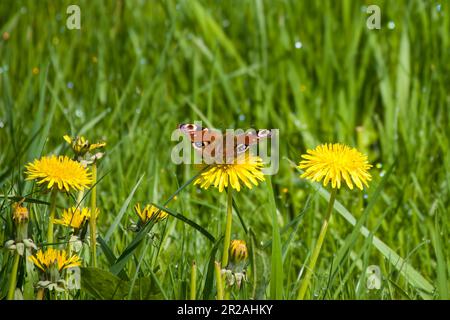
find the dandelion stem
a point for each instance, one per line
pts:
(226, 243)
(40, 294)
(52, 215)
(93, 219)
(219, 283)
(13, 279)
(315, 255)
(193, 281)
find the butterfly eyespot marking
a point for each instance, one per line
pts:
(189, 127)
(200, 144)
(240, 148)
(264, 133)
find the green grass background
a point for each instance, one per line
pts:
(136, 69)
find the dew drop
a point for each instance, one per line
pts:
(143, 61)
(382, 173)
(225, 23)
(391, 25)
(379, 165)
(70, 85)
(366, 196)
(2, 124)
(241, 117)
(298, 45)
(438, 7)
(79, 113)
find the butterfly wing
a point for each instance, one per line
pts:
(213, 146)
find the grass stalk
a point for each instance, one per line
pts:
(219, 282)
(229, 222)
(93, 219)
(52, 215)
(13, 278)
(193, 281)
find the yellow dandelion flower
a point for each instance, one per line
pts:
(52, 257)
(80, 145)
(238, 250)
(59, 172)
(336, 163)
(74, 217)
(149, 212)
(221, 176)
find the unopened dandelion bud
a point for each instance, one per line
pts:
(238, 251)
(20, 218)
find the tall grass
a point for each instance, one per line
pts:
(136, 69)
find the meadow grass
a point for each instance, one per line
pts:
(137, 69)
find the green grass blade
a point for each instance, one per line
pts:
(276, 276)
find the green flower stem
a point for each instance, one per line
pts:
(315, 255)
(13, 279)
(193, 281)
(93, 219)
(52, 215)
(226, 243)
(227, 293)
(219, 282)
(40, 294)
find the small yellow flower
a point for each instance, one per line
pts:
(336, 163)
(223, 175)
(20, 213)
(238, 250)
(74, 217)
(59, 172)
(52, 257)
(80, 145)
(149, 212)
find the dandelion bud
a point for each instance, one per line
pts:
(20, 213)
(238, 251)
(20, 218)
